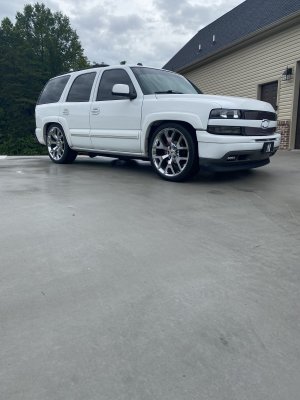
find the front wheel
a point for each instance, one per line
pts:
(173, 152)
(57, 146)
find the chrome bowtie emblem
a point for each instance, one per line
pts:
(265, 123)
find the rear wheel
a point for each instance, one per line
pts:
(173, 152)
(57, 146)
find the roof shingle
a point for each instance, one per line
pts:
(245, 19)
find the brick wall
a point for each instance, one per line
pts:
(285, 129)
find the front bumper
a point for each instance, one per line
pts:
(224, 152)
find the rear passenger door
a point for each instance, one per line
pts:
(75, 111)
(116, 121)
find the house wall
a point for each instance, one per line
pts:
(242, 72)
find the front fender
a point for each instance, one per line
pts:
(192, 119)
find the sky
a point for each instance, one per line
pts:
(146, 31)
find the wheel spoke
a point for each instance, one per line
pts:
(161, 159)
(182, 159)
(161, 146)
(170, 167)
(170, 138)
(178, 164)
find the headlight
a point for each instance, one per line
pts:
(220, 113)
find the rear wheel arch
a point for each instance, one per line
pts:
(48, 125)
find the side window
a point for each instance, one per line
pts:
(108, 80)
(268, 93)
(53, 90)
(81, 88)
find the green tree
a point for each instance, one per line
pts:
(40, 45)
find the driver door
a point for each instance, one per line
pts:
(115, 121)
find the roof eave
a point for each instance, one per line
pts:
(259, 34)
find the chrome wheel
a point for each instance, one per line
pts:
(170, 152)
(56, 143)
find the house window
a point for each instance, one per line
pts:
(268, 93)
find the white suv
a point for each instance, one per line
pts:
(147, 113)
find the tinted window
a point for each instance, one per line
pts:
(53, 90)
(154, 80)
(81, 88)
(108, 80)
(199, 91)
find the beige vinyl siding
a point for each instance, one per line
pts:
(241, 72)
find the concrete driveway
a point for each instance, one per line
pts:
(116, 285)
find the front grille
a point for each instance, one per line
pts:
(240, 130)
(249, 131)
(259, 115)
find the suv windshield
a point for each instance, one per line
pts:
(155, 81)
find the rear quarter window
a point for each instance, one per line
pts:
(53, 90)
(81, 88)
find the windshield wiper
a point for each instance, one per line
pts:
(168, 92)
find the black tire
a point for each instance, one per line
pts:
(173, 152)
(57, 146)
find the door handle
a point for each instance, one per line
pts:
(95, 111)
(65, 111)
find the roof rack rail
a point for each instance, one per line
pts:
(97, 65)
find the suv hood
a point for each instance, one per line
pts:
(229, 102)
(242, 103)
